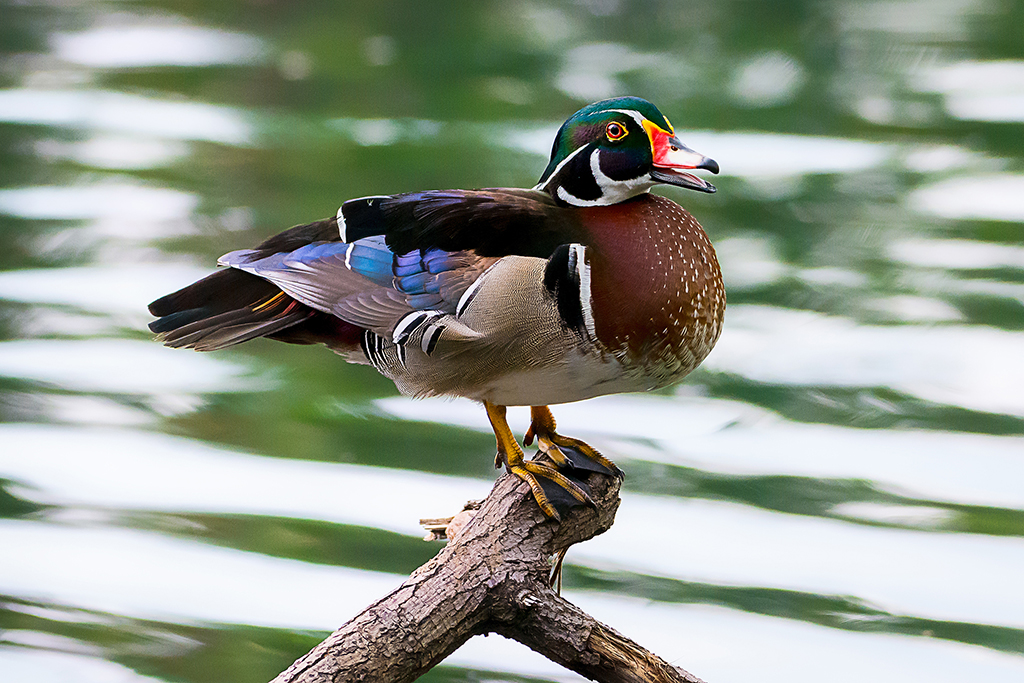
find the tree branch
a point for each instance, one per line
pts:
(491, 578)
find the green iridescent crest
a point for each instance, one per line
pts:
(589, 124)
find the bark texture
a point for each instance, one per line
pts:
(491, 578)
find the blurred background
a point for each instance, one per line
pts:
(837, 494)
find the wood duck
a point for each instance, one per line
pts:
(584, 285)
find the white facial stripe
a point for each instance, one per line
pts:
(603, 181)
(615, 191)
(612, 191)
(583, 273)
(558, 168)
(639, 118)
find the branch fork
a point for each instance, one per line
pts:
(492, 577)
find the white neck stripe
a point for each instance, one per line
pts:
(583, 273)
(564, 195)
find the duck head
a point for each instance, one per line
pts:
(616, 149)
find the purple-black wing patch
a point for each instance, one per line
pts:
(492, 222)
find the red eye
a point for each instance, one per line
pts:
(615, 131)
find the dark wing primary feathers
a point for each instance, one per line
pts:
(490, 222)
(232, 306)
(223, 309)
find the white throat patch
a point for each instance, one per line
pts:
(612, 191)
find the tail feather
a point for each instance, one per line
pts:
(220, 292)
(232, 306)
(224, 309)
(235, 327)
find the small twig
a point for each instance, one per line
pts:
(446, 528)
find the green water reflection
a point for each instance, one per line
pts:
(869, 222)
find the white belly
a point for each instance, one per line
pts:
(579, 377)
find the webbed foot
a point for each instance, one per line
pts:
(552, 490)
(565, 451)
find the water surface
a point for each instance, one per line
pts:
(837, 494)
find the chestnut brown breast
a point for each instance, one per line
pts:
(657, 293)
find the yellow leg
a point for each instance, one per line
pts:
(511, 455)
(542, 427)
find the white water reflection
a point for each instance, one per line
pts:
(121, 289)
(375, 132)
(969, 578)
(723, 645)
(956, 577)
(728, 437)
(97, 411)
(969, 469)
(115, 152)
(122, 469)
(156, 42)
(120, 366)
(109, 111)
(931, 20)
(978, 90)
(774, 161)
(957, 254)
(46, 666)
(1003, 290)
(775, 155)
(750, 261)
(93, 301)
(150, 576)
(768, 80)
(790, 347)
(994, 197)
(906, 515)
(591, 71)
(112, 199)
(938, 158)
(908, 308)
